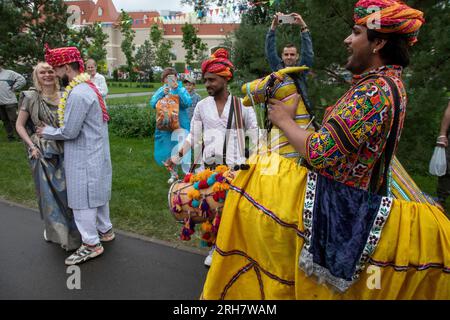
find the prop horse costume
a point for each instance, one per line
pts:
(285, 228)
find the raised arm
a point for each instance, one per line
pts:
(272, 57)
(307, 53)
(185, 97)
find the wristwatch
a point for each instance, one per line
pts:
(304, 28)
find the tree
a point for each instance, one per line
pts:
(194, 46)
(127, 45)
(162, 47)
(145, 57)
(97, 49)
(26, 25)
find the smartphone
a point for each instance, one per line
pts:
(286, 19)
(171, 80)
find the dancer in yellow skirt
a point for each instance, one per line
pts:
(332, 233)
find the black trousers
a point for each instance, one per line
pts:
(8, 115)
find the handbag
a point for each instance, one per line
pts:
(438, 163)
(167, 113)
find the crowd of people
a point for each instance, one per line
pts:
(318, 218)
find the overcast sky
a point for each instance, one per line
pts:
(148, 5)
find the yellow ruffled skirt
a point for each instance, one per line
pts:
(259, 244)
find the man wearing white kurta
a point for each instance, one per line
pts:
(87, 156)
(210, 126)
(211, 122)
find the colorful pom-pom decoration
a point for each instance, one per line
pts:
(187, 178)
(195, 203)
(194, 194)
(203, 184)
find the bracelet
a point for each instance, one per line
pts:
(304, 28)
(443, 136)
(33, 147)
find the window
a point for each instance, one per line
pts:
(100, 11)
(174, 29)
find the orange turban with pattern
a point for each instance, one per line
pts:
(219, 64)
(389, 16)
(61, 56)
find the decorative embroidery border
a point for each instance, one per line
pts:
(374, 236)
(240, 272)
(306, 262)
(308, 207)
(253, 261)
(266, 211)
(323, 275)
(421, 267)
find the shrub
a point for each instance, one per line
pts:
(180, 67)
(132, 121)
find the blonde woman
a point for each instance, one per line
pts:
(39, 105)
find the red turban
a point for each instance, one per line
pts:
(61, 56)
(219, 64)
(389, 16)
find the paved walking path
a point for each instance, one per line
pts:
(130, 268)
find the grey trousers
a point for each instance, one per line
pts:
(8, 114)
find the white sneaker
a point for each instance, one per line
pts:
(208, 259)
(171, 180)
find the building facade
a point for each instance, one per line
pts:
(84, 12)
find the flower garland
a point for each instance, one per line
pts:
(81, 78)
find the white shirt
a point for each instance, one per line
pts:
(207, 124)
(100, 83)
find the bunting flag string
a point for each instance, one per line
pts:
(227, 10)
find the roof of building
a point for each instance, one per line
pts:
(104, 11)
(86, 8)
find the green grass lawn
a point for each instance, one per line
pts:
(139, 193)
(113, 87)
(128, 101)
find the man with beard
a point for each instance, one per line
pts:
(290, 56)
(214, 121)
(309, 234)
(83, 127)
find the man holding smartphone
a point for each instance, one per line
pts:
(290, 56)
